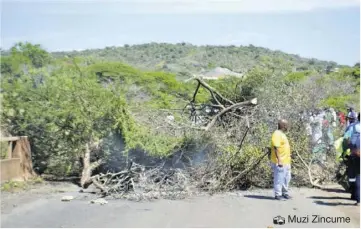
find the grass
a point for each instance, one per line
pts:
(14, 186)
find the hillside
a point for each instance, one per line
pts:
(187, 59)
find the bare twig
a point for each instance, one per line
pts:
(247, 170)
(309, 171)
(234, 106)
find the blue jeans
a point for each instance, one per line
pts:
(281, 179)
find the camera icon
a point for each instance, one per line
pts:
(279, 220)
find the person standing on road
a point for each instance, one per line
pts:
(352, 136)
(328, 124)
(281, 161)
(318, 146)
(351, 116)
(334, 117)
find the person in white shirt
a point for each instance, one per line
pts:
(334, 117)
(351, 116)
(316, 123)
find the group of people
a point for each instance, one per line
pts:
(351, 153)
(320, 126)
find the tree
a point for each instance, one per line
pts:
(6, 65)
(312, 61)
(68, 116)
(33, 54)
(70, 112)
(356, 72)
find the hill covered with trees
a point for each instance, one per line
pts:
(184, 58)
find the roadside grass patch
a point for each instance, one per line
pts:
(15, 186)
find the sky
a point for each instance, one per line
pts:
(322, 29)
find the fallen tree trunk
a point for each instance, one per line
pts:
(88, 167)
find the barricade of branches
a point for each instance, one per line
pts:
(138, 183)
(239, 132)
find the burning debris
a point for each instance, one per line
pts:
(138, 182)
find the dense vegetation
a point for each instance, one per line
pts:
(187, 59)
(77, 106)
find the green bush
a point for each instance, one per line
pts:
(296, 76)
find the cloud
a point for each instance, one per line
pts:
(237, 6)
(91, 7)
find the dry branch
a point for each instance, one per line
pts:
(225, 110)
(247, 170)
(212, 90)
(225, 105)
(309, 172)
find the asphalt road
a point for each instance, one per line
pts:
(239, 209)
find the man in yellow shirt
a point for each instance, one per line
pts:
(281, 161)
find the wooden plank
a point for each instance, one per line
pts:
(9, 139)
(10, 170)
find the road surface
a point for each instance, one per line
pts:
(256, 208)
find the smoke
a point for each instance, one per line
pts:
(118, 160)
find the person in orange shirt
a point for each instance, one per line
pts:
(281, 161)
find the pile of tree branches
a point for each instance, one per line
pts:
(240, 133)
(138, 183)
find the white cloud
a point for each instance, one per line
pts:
(183, 6)
(236, 6)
